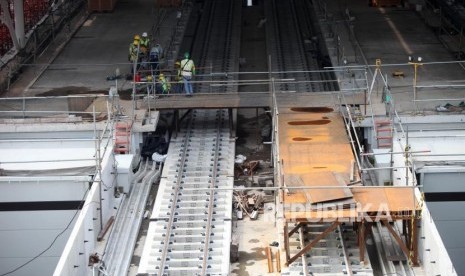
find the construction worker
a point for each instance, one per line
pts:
(155, 55)
(163, 85)
(150, 84)
(177, 84)
(187, 71)
(133, 54)
(144, 43)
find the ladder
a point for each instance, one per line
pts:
(122, 137)
(383, 128)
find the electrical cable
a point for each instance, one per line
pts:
(54, 240)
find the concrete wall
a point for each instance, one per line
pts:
(448, 216)
(25, 234)
(83, 239)
(441, 182)
(434, 256)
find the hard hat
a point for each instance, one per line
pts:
(136, 37)
(136, 42)
(186, 55)
(161, 76)
(177, 63)
(144, 34)
(149, 78)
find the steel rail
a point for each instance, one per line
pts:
(173, 204)
(211, 201)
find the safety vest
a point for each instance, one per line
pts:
(165, 86)
(187, 67)
(145, 42)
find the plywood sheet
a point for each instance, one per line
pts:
(377, 200)
(319, 179)
(323, 215)
(391, 199)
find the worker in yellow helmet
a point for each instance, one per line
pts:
(187, 71)
(133, 53)
(164, 86)
(177, 84)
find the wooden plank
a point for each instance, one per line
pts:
(278, 261)
(324, 195)
(401, 199)
(107, 226)
(269, 257)
(313, 242)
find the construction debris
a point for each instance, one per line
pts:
(246, 168)
(449, 107)
(250, 203)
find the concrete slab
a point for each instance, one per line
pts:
(101, 46)
(254, 236)
(392, 34)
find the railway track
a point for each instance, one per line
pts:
(191, 219)
(294, 52)
(216, 48)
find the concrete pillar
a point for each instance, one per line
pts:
(19, 22)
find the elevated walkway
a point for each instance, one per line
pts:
(321, 187)
(249, 100)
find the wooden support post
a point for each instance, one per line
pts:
(414, 240)
(278, 261)
(361, 240)
(176, 122)
(231, 122)
(269, 256)
(404, 228)
(313, 243)
(286, 242)
(408, 233)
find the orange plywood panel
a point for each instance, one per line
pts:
(322, 215)
(392, 199)
(317, 195)
(401, 199)
(295, 197)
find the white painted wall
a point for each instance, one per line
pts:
(433, 255)
(24, 234)
(83, 239)
(21, 189)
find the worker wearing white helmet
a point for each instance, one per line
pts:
(144, 43)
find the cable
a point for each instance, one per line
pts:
(54, 240)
